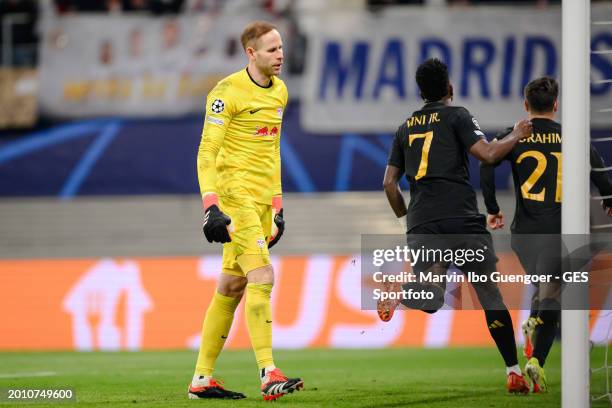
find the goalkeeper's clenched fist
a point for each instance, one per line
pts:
(216, 224)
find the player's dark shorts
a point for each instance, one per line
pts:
(539, 254)
(456, 234)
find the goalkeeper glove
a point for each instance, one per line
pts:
(279, 223)
(215, 221)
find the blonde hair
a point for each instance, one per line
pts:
(254, 30)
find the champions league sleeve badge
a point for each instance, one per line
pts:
(217, 106)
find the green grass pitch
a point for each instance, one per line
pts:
(455, 377)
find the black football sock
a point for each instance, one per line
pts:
(500, 327)
(546, 329)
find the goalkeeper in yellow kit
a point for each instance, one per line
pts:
(239, 170)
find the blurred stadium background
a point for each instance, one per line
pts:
(100, 117)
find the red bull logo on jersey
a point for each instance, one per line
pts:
(261, 131)
(265, 131)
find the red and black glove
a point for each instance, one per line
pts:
(279, 223)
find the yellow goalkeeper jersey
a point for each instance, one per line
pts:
(239, 153)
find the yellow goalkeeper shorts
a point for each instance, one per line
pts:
(250, 228)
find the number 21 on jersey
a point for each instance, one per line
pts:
(428, 137)
(527, 186)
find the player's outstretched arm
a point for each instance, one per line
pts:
(601, 180)
(394, 194)
(494, 151)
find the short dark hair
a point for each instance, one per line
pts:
(432, 78)
(541, 94)
(254, 30)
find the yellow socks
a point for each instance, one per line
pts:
(259, 322)
(217, 324)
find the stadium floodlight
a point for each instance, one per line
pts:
(575, 179)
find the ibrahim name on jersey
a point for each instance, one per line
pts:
(431, 149)
(536, 172)
(239, 155)
(536, 164)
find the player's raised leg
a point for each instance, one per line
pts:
(274, 384)
(216, 327)
(386, 308)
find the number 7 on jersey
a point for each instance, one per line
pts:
(424, 153)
